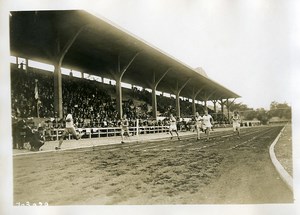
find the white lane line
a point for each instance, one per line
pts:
(284, 175)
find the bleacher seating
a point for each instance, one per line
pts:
(93, 103)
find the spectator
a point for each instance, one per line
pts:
(37, 140)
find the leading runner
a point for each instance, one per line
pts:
(70, 129)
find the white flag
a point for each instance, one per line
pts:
(36, 91)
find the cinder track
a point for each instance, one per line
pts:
(189, 142)
(156, 172)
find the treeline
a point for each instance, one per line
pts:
(281, 110)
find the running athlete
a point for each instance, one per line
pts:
(207, 123)
(236, 123)
(173, 126)
(198, 124)
(124, 127)
(70, 129)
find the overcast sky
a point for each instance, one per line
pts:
(249, 46)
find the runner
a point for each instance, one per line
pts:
(236, 123)
(173, 126)
(198, 124)
(207, 123)
(70, 129)
(124, 128)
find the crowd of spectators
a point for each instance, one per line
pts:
(23, 100)
(92, 103)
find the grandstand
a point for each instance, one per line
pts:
(73, 60)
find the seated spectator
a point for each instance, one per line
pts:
(37, 140)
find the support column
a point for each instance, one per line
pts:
(26, 64)
(58, 101)
(118, 77)
(215, 105)
(222, 103)
(154, 85)
(205, 103)
(208, 97)
(193, 107)
(178, 91)
(195, 94)
(154, 102)
(119, 97)
(177, 105)
(204, 100)
(228, 106)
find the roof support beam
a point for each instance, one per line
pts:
(228, 104)
(178, 91)
(118, 77)
(58, 102)
(194, 95)
(222, 103)
(206, 98)
(154, 85)
(215, 105)
(210, 95)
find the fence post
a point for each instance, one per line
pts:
(137, 127)
(56, 134)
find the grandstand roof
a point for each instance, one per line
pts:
(39, 35)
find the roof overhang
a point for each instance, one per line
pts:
(39, 35)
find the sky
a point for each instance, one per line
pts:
(248, 46)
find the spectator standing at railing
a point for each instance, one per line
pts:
(69, 129)
(173, 126)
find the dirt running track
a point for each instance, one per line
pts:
(224, 170)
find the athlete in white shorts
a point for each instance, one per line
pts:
(173, 126)
(70, 129)
(198, 124)
(124, 127)
(236, 123)
(207, 121)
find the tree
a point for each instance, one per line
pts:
(281, 110)
(239, 106)
(250, 114)
(262, 115)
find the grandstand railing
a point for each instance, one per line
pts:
(110, 131)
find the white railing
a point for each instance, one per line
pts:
(110, 131)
